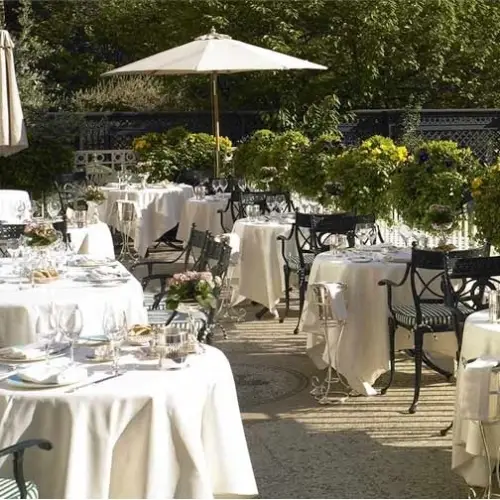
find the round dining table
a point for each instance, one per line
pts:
(204, 214)
(148, 433)
(158, 208)
(24, 305)
(364, 349)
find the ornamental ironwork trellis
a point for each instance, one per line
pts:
(478, 129)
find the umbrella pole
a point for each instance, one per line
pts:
(215, 114)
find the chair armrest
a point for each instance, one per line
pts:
(161, 277)
(390, 283)
(18, 450)
(283, 239)
(221, 213)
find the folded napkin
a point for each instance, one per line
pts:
(21, 353)
(53, 374)
(106, 272)
(337, 300)
(475, 401)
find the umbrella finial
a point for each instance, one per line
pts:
(213, 35)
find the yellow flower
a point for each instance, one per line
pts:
(477, 183)
(377, 151)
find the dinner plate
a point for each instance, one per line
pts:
(17, 382)
(92, 263)
(53, 354)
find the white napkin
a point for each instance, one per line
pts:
(21, 353)
(475, 383)
(106, 272)
(53, 374)
(337, 300)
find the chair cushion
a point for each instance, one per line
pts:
(294, 262)
(432, 314)
(9, 489)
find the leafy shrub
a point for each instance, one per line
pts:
(176, 150)
(438, 172)
(266, 158)
(126, 93)
(486, 197)
(364, 173)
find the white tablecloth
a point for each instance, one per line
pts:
(159, 209)
(260, 269)
(364, 350)
(20, 309)
(9, 200)
(146, 434)
(204, 214)
(480, 338)
(94, 239)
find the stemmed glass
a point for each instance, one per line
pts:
(21, 210)
(71, 325)
(242, 184)
(223, 183)
(115, 330)
(271, 205)
(47, 331)
(363, 232)
(215, 186)
(53, 208)
(337, 241)
(13, 246)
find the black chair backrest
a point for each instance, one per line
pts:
(312, 231)
(197, 240)
(470, 279)
(260, 198)
(11, 231)
(427, 280)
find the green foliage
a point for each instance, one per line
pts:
(486, 196)
(308, 174)
(438, 172)
(266, 158)
(364, 175)
(176, 149)
(135, 93)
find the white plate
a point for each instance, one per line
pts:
(16, 381)
(360, 260)
(19, 360)
(92, 263)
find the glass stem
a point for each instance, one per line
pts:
(72, 352)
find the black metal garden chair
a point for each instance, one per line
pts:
(430, 312)
(19, 487)
(9, 232)
(232, 209)
(311, 232)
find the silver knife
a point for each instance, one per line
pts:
(94, 382)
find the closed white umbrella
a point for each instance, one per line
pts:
(13, 136)
(213, 54)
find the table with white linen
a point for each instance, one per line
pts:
(21, 308)
(10, 200)
(159, 210)
(93, 239)
(364, 349)
(259, 271)
(203, 213)
(146, 434)
(480, 338)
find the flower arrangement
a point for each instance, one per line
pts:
(486, 200)
(201, 287)
(40, 234)
(437, 173)
(94, 194)
(363, 175)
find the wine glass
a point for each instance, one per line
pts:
(47, 331)
(242, 184)
(336, 242)
(223, 183)
(270, 203)
(13, 246)
(115, 330)
(71, 325)
(20, 210)
(363, 232)
(53, 208)
(215, 186)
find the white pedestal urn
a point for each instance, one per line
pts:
(93, 212)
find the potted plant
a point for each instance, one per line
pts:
(40, 235)
(436, 173)
(363, 176)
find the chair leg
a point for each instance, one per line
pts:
(445, 431)
(392, 354)
(419, 344)
(286, 272)
(302, 298)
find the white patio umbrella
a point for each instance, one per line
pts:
(214, 54)
(13, 136)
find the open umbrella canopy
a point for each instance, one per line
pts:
(214, 53)
(12, 129)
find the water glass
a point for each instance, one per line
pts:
(494, 306)
(47, 331)
(223, 183)
(71, 324)
(115, 329)
(337, 241)
(363, 232)
(215, 187)
(21, 210)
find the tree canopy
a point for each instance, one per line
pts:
(380, 53)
